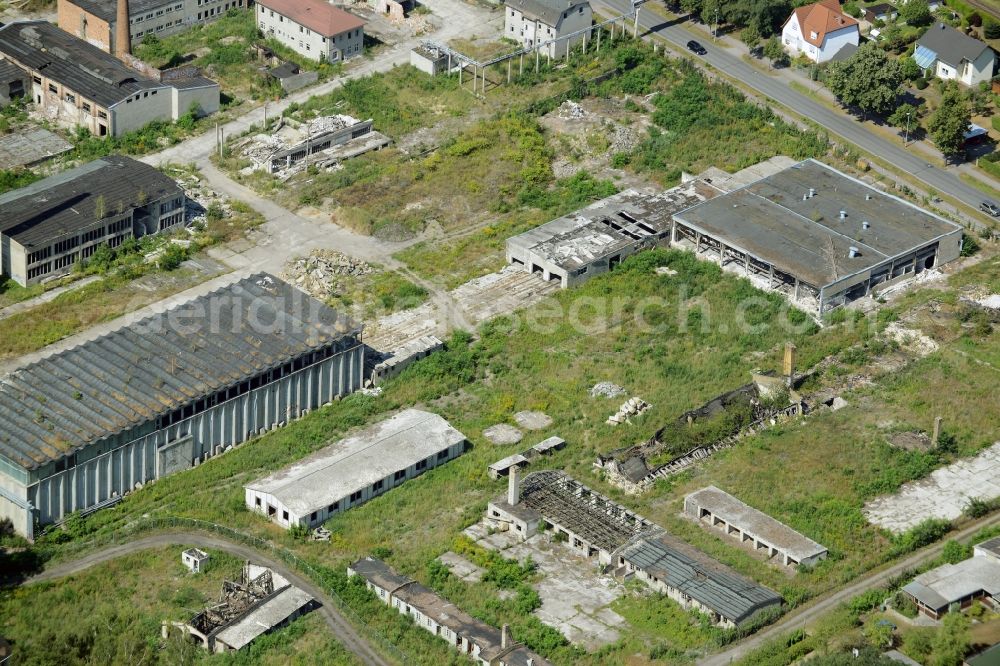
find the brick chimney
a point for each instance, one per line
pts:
(506, 640)
(123, 38)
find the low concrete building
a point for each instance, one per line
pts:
(502, 467)
(537, 22)
(260, 602)
(82, 427)
(818, 235)
(429, 60)
(484, 644)
(720, 509)
(695, 580)
(51, 225)
(75, 83)
(957, 586)
(549, 445)
(95, 21)
(194, 559)
(356, 469)
(312, 28)
(574, 248)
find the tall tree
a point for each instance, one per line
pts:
(868, 80)
(774, 51)
(915, 12)
(949, 123)
(952, 640)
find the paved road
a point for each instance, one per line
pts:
(837, 123)
(343, 630)
(802, 617)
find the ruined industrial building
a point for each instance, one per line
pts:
(680, 444)
(87, 425)
(484, 644)
(816, 235)
(717, 508)
(259, 602)
(325, 141)
(356, 469)
(628, 544)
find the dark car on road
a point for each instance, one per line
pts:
(990, 208)
(695, 47)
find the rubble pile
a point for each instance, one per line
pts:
(259, 148)
(570, 110)
(321, 272)
(199, 198)
(623, 139)
(631, 407)
(606, 390)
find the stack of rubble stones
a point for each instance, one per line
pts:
(321, 272)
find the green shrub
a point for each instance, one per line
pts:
(920, 83)
(954, 552)
(172, 257)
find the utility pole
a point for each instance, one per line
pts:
(906, 135)
(715, 33)
(635, 27)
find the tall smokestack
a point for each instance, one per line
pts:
(123, 39)
(514, 486)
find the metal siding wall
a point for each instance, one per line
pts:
(231, 423)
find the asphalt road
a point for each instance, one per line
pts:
(800, 618)
(342, 630)
(777, 88)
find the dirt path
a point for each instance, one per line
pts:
(341, 628)
(801, 617)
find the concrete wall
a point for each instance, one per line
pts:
(530, 32)
(261, 502)
(141, 109)
(427, 64)
(207, 99)
(536, 263)
(306, 42)
(112, 467)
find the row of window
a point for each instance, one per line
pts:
(379, 485)
(143, 94)
(99, 232)
(244, 387)
(160, 12)
(306, 31)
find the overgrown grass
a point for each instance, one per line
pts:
(126, 599)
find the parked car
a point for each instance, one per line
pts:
(990, 208)
(695, 47)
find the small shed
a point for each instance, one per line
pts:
(549, 445)
(502, 467)
(194, 559)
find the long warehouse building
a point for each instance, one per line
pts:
(82, 427)
(356, 469)
(820, 236)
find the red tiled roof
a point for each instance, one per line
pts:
(317, 15)
(822, 17)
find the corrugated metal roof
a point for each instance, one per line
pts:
(707, 581)
(75, 63)
(76, 200)
(151, 367)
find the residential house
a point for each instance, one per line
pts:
(95, 21)
(949, 54)
(313, 28)
(882, 12)
(956, 586)
(50, 225)
(818, 31)
(74, 83)
(556, 24)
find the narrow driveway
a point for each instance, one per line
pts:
(776, 88)
(343, 630)
(802, 617)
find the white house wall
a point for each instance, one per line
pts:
(837, 40)
(307, 42)
(117, 471)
